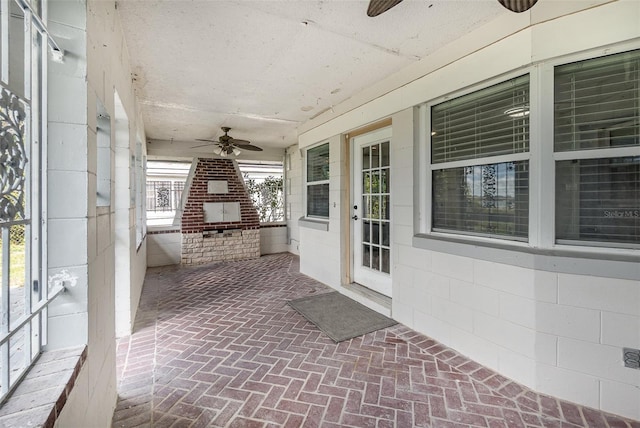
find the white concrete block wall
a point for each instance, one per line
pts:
(319, 254)
(571, 348)
(82, 237)
(163, 249)
(294, 188)
(273, 240)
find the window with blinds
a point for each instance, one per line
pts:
(471, 194)
(490, 122)
(318, 181)
(597, 107)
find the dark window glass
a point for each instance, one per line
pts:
(598, 200)
(318, 163)
(318, 200)
(489, 122)
(597, 103)
(488, 199)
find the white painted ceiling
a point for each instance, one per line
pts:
(265, 67)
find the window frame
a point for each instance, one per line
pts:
(42, 289)
(308, 184)
(425, 224)
(542, 163)
(139, 189)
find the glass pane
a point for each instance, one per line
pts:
(375, 156)
(318, 163)
(366, 163)
(384, 181)
(366, 206)
(386, 207)
(483, 199)
(598, 200)
(318, 200)
(385, 154)
(366, 182)
(375, 207)
(386, 262)
(375, 182)
(489, 122)
(375, 232)
(366, 255)
(366, 231)
(597, 103)
(375, 258)
(385, 233)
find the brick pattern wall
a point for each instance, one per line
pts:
(217, 169)
(208, 242)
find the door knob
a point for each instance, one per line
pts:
(355, 217)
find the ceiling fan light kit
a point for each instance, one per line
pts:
(229, 146)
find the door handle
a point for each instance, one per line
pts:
(355, 217)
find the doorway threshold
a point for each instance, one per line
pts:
(366, 296)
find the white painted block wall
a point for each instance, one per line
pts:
(293, 196)
(273, 240)
(82, 238)
(320, 256)
(163, 249)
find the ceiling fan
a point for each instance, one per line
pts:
(227, 146)
(376, 7)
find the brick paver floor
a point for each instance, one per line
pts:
(218, 346)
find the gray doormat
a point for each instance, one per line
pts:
(340, 317)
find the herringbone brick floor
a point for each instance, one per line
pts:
(218, 346)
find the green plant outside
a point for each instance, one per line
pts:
(267, 197)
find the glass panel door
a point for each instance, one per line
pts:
(372, 211)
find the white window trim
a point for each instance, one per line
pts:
(542, 159)
(307, 183)
(425, 226)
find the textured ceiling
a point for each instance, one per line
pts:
(265, 67)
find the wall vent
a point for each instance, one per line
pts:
(631, 358)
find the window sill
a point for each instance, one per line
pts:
(42, 394)
(559, 259)
(310, 223)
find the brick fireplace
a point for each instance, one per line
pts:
(219, 221)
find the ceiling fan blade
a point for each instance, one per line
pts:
(518, 6)
(248, 147)
(204, 145)
(376, 7)
(207, 140)
(234, 141)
